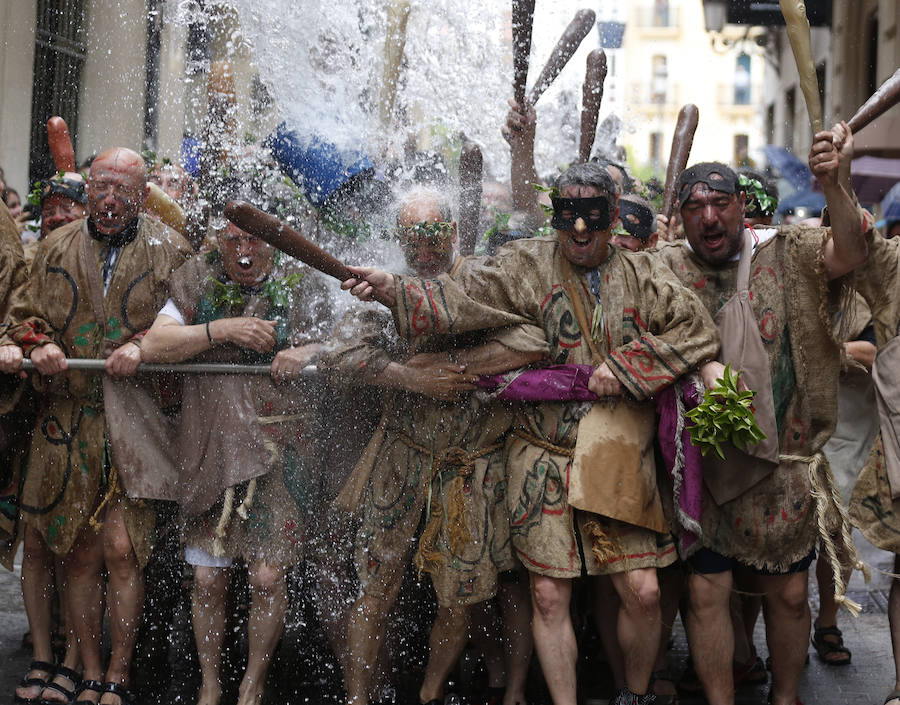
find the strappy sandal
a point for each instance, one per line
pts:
(67, 693)
(34, 681)
(93, 686)
(893, 696)
(826, 648)
(126, 697)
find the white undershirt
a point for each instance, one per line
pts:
(171, 310)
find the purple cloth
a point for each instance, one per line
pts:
(686, 476)
(570, 383)
(552, 383)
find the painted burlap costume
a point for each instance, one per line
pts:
(773, 524)
(69, 472)
(272, 466)
(431, 465)
(14, 424)
(647, 327)
(874, 506)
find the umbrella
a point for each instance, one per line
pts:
(808, 199)
(790, 167)
(873, 177)
(890, 206)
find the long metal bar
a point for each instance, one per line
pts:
(87, 365)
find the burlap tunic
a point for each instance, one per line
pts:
(431, 465)
(275, 527)
(68, 470)
(773, 524)
(664, 332)
(13, 429)
(872, 509)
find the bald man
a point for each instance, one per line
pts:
(94, 290)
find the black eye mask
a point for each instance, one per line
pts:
(636, 218)
(576, 208)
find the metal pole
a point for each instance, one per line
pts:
(88, 365)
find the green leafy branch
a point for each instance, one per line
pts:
(724, 415)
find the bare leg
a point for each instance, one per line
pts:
(606, 619)
(72, 658)
(366, 627)
(894, 620)
(554, 637)
(208, 609)
(485, 634)
(828, 608)
(83, 565)
(126, 597)
(516, 606)
(710, 634)
(671, 586)
(37, 593)
(446, 642)
(265, 626)
(639, 625)
(786, 611)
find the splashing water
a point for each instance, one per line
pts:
(323, 62)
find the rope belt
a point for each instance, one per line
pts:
(520, 432)
(826, 495)
(428, 558)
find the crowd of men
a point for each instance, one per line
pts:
(508, 424)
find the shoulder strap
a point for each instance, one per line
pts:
(743, 273)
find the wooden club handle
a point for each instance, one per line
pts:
(592, 95)
(682, 140)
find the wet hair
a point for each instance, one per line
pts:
(627, 181)
(588, 174)
(421, 192)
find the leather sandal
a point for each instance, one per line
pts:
(93, 686)
(825, 647)
(893, 696)
(27, 682)
(126, 697)
(67, 693)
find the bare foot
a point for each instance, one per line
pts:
(249, 694)
(67, 682)
(209, 694)
(33, 692)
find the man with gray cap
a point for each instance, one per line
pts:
(775, 294)
(62, 200)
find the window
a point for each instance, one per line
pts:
(661, 13)
(742, 80)
(659, 79)
(741, 150)
(656, 148)
(58, 61)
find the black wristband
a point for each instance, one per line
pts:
(209, 335)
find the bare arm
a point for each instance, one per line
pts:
(170, 341)
(519, 131)
(494, 357)
(847, 248)
(862, 351)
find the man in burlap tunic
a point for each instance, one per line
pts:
(246, 479)
(875, 502)
(795, 291)
(94, 289)
(645, 330)
(435, 460)
(13, 275)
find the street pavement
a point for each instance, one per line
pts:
(304, 677)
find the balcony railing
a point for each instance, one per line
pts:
(647, 95)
